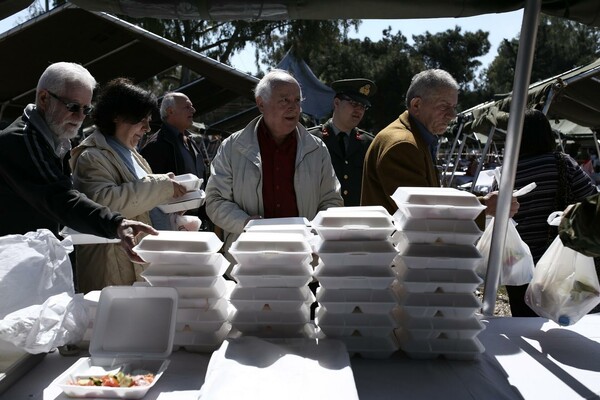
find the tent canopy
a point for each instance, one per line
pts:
(570, 100)
(108, 47)
(585, 11)
(318, 97)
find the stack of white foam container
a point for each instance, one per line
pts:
(272, 298)
(357, 294)
(436, 266)
(190, 263)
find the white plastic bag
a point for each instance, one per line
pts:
(33, 267)
(564, 286)
(62, 319)
(517, 262)
(39, 310)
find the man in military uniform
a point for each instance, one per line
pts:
(346, 143)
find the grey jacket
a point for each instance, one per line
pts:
(234, 189)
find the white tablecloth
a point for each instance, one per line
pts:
(525, 358)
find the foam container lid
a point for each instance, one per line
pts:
(428, 202)
(190, 181)
(353, 253)
(298, 225)
(85, 238)
(275, 242)
(199, 280)
(451, 231)
(189, 201)
(352, 219)
(134, 322)
(431, 196)
(179, 247)
(214, 268)
(438, 255)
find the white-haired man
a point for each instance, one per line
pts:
(273, 168)
(403, 153)
(36, 190)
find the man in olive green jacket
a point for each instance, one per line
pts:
(402, 154)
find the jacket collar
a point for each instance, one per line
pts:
(58, 145)
(246, 142)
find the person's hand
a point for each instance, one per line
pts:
(491, 202)
(178, 189)
(127, 232)
(250, 218)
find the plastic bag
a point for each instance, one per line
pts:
(517, 262)
(564, 286)
(33, 267)
(39, 310)
(62, 319)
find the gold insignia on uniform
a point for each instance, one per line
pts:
(365, 90)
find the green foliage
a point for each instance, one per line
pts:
(560, 46)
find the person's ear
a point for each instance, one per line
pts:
(415, 103)
(43, 98)
(260, 104)
(336, 102)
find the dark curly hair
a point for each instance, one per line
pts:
(121, 98)
(537, 137)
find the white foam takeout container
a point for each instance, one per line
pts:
(434, 202)
(287, 276)
(280, 225)
(355, 276)
(369, 301)
(133, 330)
(189, 201)
(455, 256)
(180, 247)
(213, 268)
(356, 223)
(448, 231)
(356, 253)
(190, 181)
(85, 238)
(268, 248)
(196, 277)
(275, 299)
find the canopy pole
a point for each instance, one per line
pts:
(525, 53)
(484, 154)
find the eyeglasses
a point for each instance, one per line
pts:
(73, 107)
(355, 104)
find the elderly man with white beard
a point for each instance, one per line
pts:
(36, 190)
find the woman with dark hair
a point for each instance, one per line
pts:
(109, 170)
(559, 182)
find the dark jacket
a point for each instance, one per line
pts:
(162, 151)
(36, 190)
(348, 169)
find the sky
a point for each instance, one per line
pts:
(500, 26)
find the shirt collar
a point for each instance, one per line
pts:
(61, 146)
(337, 130)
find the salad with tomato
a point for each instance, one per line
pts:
(119, 379)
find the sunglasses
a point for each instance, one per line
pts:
(355, 104)
(73, 107)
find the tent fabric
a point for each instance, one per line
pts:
(572, 95)
(108, 47)
(570, 98)
(584, 11)
(318, 97)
